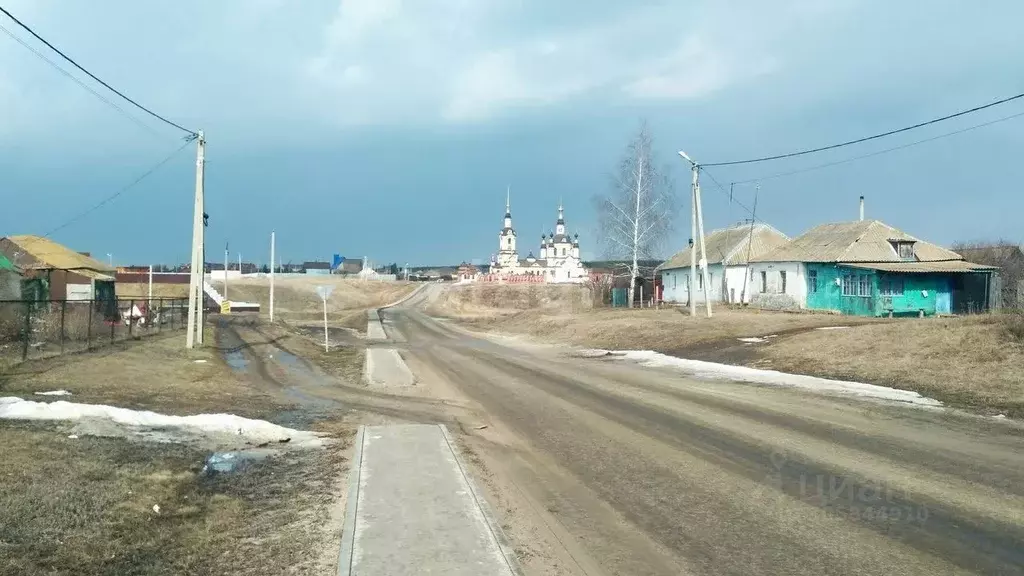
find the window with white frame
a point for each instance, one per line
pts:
(764, 282)
(782, 281)
(812, 281)
(865, 285)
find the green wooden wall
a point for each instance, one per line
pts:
(920, 292)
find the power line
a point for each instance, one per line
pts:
(93, 76)
(879, 152)
(724, 191)
(56, 66)
(867, 138)
(108, 199)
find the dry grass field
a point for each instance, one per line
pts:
(85, 505)
(973, 362)
(141, 291)
(295, 299)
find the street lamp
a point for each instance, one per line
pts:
(697, 231)
(110, 260)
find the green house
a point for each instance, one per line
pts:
(868, 268)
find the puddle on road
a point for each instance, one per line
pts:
(236, 360)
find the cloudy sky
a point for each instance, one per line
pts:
(391, 128)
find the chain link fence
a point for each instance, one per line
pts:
(39, 329)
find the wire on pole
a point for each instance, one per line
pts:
(93, 76)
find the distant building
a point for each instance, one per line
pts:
(51, 271)
(467, 272)
(558, 258)
(316, 267)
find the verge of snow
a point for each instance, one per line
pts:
(832, 328)
(53, 393)
(255, 431)
(753, 340)
(703, 369)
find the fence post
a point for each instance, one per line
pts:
(158, 316)
(27, 330)
(63, 311)
(131, 317)
(88, 329)
(113, 322)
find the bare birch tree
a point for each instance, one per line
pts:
(639, 212)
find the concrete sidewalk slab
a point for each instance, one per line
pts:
(413, 509)
(385, 367)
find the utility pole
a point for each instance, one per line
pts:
(239, 263)
(697, 229)
(272, 277)
(693, 244)
(703, 247)
(195, 291)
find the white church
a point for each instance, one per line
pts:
(558, 260)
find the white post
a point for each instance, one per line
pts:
(703, 248)
(239, 263)
(195, 291)
(327, 347)
(271, 277)
(149, 302)
(226, 272)
(693, 246)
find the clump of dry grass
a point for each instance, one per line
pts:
(85, 506)
(1013, 324)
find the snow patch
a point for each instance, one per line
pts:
(53, 393)
(714, 370)
(254, 431)
(753, 340)
(832, 328)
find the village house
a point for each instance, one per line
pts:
(728, 251)
(51, 271)
(868, 268)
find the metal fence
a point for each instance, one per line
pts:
(38, 329)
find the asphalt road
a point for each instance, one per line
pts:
(600, 467)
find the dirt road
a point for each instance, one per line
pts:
(605, 468)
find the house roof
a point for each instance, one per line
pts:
(730, 246)
(859, 241)
(50, 255)
(923, 267)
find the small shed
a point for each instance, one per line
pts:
(52, 271)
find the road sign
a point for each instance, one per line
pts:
(225, 307)
(324, 291)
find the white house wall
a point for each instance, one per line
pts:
(796, 281)
(675, 284)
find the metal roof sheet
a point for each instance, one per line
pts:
(923, 267)
(730, 245)
(54, 256)
(860, 241)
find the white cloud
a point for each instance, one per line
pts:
(460, 61)
(696, 70)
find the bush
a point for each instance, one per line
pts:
(1013, 325)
